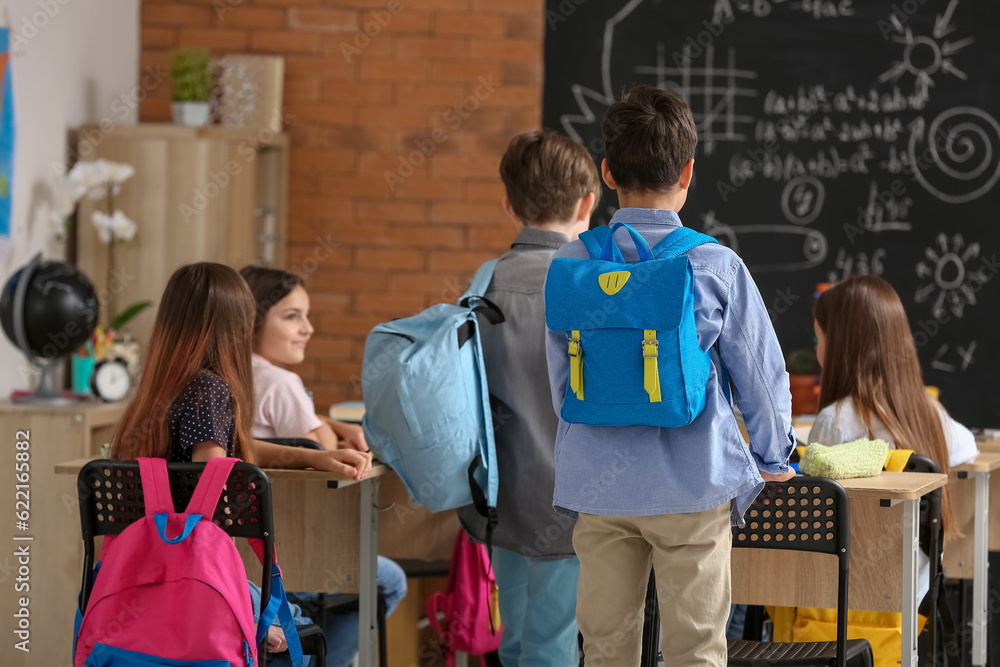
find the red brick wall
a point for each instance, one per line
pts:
(431, 98)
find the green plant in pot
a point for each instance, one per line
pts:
(803, 379)
(191, 86)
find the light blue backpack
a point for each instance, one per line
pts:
(633, 348)
(427, 406)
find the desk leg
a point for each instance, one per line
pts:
(911, 543)
(980, 573)
(367, 605)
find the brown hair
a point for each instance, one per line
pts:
(649, 136)
(205, 322)
(871, 358)
(546, 174)
(268, 287)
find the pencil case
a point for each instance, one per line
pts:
(861, 458)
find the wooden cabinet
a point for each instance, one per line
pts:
(198, 194)
(53, 563)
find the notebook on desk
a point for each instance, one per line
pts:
(348, 411)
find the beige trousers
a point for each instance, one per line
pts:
(690, 555)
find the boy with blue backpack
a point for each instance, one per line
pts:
(647, 324)
(551, 185)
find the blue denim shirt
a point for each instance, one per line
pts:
(647, 470)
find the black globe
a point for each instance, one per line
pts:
(60, 309)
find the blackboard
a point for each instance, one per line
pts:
(836, 137)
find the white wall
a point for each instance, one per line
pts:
(77, 62)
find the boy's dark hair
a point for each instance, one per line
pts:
(649, 136)
(545, 174)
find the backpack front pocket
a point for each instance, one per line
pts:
(104, 655)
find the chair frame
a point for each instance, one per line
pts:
(821, 494)
(111, 499)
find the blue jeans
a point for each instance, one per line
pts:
(537, 609)
(737, 620)
(341, 630)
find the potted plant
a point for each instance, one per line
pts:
(191, 86)
(803, 379)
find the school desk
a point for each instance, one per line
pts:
(966, 557)
(51, 579)
(884, 542)
(320, 543)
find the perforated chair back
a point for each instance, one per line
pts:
(804, 514)
(111, 499)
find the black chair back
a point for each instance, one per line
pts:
(804, 514)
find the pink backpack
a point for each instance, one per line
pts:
(469, 604)
(182, 600)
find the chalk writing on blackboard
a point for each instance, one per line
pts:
(954, 281)
(814, 245)
(963, 146)
(959, 361)
(711, 91)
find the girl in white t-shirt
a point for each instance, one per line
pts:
(281, 332)
(872, 386)
(285, 410)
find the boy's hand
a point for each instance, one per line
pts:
(349, 462)
(772, 477)
(276, 640)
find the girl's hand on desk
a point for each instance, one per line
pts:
(348, 462)
(771, 477)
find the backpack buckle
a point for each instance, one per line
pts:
(648, 353)
(575, 347)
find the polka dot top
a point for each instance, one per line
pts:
(205, 411)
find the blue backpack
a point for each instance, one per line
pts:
(427, 407)
(633, 348)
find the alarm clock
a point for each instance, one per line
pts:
(111, 380)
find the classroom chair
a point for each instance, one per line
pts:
(127, 506)
(338, 603)
(767, 529)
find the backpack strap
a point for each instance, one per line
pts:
(155, 486)
(680, 241)
(213, 479)
(277, 605)
(594, 240)
(480, 282)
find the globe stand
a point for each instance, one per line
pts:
(46, 391)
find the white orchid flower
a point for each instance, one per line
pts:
(87, 179)
(91, 179)
(115, 172)
(113, 227)
(122, 226)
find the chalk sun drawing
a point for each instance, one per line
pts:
(947, 266)
(924, 56)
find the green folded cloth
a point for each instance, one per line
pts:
(861, 458)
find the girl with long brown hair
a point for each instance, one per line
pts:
(872, 386)
(195, 399)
